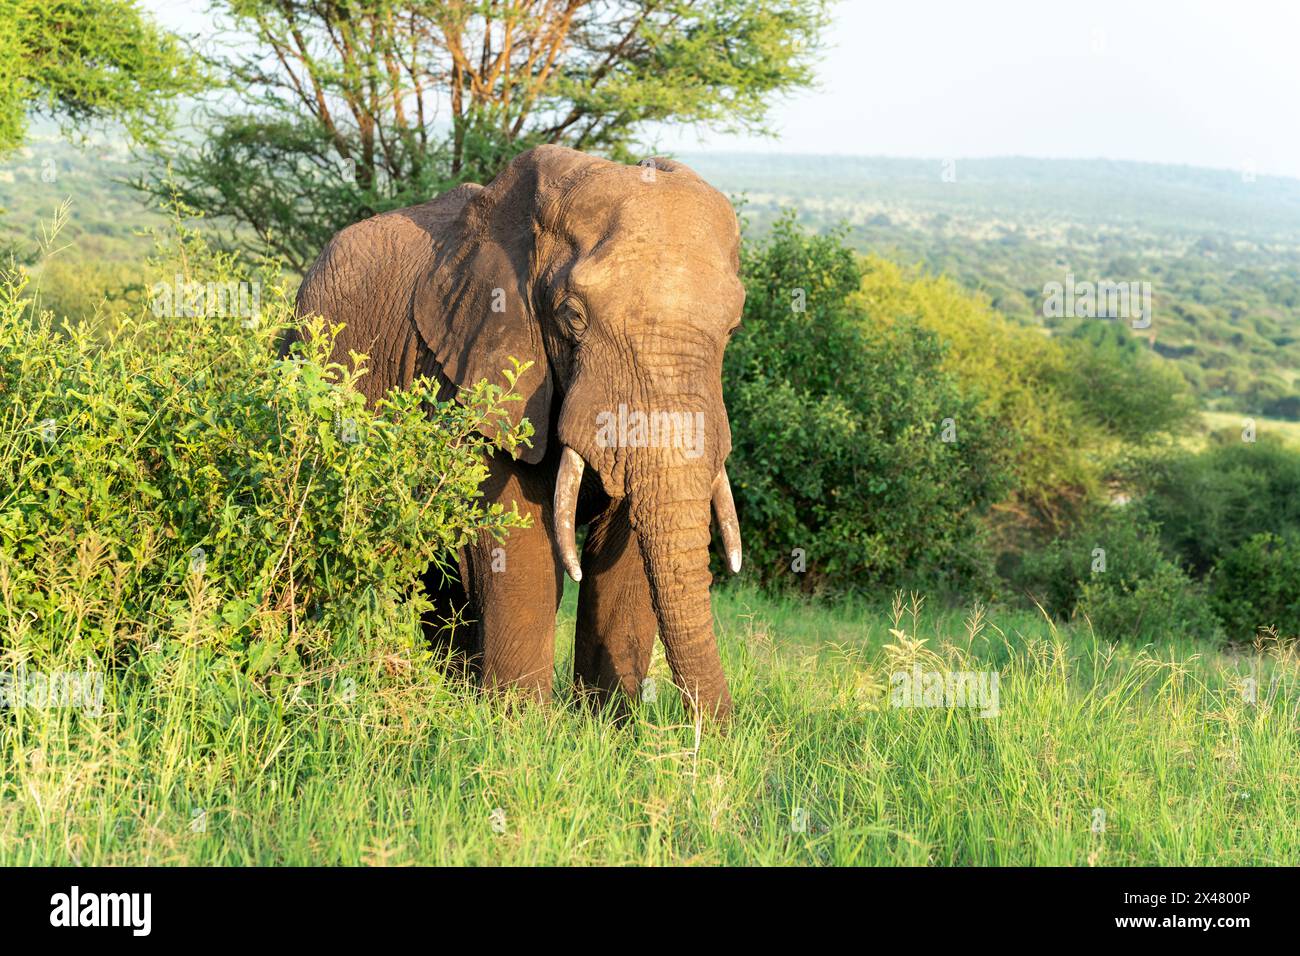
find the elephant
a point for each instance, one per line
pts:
(620, 284)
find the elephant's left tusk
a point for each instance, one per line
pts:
(567, 483)
(724, 508)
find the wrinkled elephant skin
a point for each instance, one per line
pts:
(619, 283)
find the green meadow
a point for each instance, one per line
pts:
(1098, 755)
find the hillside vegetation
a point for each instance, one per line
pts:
(1221, 249)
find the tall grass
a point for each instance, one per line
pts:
(1100, 755)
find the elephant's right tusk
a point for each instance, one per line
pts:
(724, 508)
(567, 483)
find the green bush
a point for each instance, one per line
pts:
(1054, 575)
(839, 429)
(1209, 503)
(1111, 570)
(173, 466)
(1132, 394)
(1018, 372)
(1257, 585)
(1163, 605)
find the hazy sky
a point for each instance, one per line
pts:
(1176, 81)
(1202, 83)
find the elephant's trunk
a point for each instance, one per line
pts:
(674, 539)
(670, 518)
(569, 480)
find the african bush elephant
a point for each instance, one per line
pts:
(619, 283)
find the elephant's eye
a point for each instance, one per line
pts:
(574, 317)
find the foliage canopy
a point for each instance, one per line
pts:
(350, 108)
(82, 61)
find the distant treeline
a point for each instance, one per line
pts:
(1220, 249)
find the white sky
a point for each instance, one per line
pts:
(1199, 82)
(1175, 81)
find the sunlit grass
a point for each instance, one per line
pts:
(1288, 431)
(1100, 755)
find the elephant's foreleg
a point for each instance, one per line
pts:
(516, 586)
(616, 625)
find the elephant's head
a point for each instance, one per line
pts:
(619, 283)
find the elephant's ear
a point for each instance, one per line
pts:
(475, 309)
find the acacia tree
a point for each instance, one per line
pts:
(338, 109)
(81, 61)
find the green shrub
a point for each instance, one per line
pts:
(170, 466)
(1257, 585)
(1080, 403)
(1016, 370)
(839, 429)
(1209, 503)
(1161, 606)
(1111, 570)
(1135, 396)
(1113, 538)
